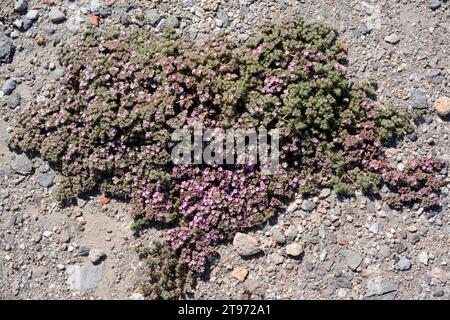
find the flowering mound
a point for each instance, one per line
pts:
(108, 127)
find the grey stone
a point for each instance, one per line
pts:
(22, 165)
(152, 17)
(32, 15)
(46, 180)
(246, 245)
(392, 39)
(27, 23)
(423, 258)
(385, 251)
(374, 228)
(352, 258)
(9, 86)
(56, 16)
(435, 4)
(342, 282)
(419, 99)
(414, 238)
(404, 264)
(95, 6)
(308, 205)
(58, 73)
(366, 29)
(381, 291)
(83, 251)
(294, 249)
(328, 265)
(84, 277)
(278, 236)
(18, 24)
(6, 49)
(96, 256)
(13, 101)
(161, 25)
(173, 22)
(64, 236)
(276, 258)
(21, 5)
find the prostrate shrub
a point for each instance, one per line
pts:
(109, 125)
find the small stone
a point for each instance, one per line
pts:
(366, 28)
(435, 4)
(294, 249)
(47, 234)
(240, 273)
(60, 267)
(414, 238)
(278, 237)
(58, 73)
(18, 24)
(276, 258)
(419, 99)
(64, 236)
(137, 296)
(381, 291)
(22, 165)
(9, 86)
(13, 101)
(392, 39)
(404, 264)
(423, 258)
(308, 205)
(161, 25)
(83, 251)
(21, 5)
(374, 228)
(95, 6)
(56, 16)
(46, 180)
(246, 245)
(325, 193)
(442, 106)
(6, 49)
(173, 22)
(385, 251)
(84, 277)
(152, 17)
(96, 256)
(352, 258)
(32, 15)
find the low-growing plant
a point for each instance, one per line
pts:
(108, 127)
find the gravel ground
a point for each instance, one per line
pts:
(321, 248)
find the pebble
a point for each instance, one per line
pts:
(152, 17)
(64, 236)
(47, 234)
(95, 6)
(278, 237)
(294, 249)
(240, 273)
(173, 22)
(46, 180)
(404, 264)
(58, 73)
(32, 15)
(6, 49)
(392, 38)
(83, 251)
(442, 106)
(21, 5)
(9, 86)
(246, 245)
(352, 258)
(22, 165)
(423, 258)
(435, 4)
(96, 256)
(137, 296)
(308, 205)
(276, 258)
(13, 101)
(374, 228)
(419, 99)
(56, 16)
(84, 277)
(381, 291)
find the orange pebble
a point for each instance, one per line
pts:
(95, 20)
(103, 200)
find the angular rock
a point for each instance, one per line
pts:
(246, 245)
(308, 205)
(96, 256)
(22, 165)
(240, 273)
(6, 49)
(64, 236)
(56, 16)
(21, 5)
(13, 101)
(381, 291)
(442, 106)
(423, 258)
(83, 251)
(32, 15)
(352, 258)
(435, 4)
(152, 17)
(278, 237)
(419, 99)
(84, 277)
(276, 258)
(173, 22)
